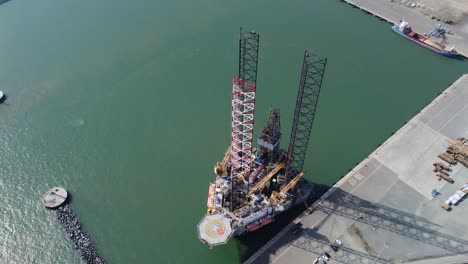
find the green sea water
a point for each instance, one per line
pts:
(126, 104)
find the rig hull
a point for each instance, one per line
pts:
(218, 228)
(268, 218)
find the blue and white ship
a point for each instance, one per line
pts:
(403, 29)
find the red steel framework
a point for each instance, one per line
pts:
(243, 108)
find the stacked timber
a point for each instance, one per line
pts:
(439, 166)
(459, 150)
(462, 161)
(445, 177)
(443, 171)
(447, 157)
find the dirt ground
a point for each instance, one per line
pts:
(454, 10)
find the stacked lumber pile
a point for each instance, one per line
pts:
(442, 171)
(459, 150)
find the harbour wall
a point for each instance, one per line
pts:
(369, 11)
(77, 235)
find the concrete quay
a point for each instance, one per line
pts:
(383, 210)
(55, 197)
(393, 11)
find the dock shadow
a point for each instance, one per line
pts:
(346, 205)
(3, 99)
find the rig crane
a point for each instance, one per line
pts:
(220, 167)
(276, 195)
(260, 185)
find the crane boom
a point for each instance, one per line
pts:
(220, 167)
(267, 178)
(274, 197)
(227, 155)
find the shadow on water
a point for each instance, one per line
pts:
(69, 198)
(3, 99)
(248, 244)
(346, 205)
(4, 1)
(459, 58)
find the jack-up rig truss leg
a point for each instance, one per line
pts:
(313, 69)
(248, 56)
(243, 107)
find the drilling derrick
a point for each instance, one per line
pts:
(269, 140)
(243, 107)
(310, 83)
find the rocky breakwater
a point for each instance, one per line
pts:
(77, 235)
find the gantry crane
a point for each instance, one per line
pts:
(438, 32)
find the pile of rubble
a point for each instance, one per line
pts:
(78, 236)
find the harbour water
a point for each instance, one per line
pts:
(126, 105)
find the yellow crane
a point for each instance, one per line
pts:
(275, 195)
(266, 179)
(241, 177)
(220, 167)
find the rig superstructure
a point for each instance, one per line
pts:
(253, 185)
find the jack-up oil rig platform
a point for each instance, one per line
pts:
(253, 185)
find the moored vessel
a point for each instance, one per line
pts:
(403, 29)
(253, 185)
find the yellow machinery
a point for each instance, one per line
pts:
(275, 195)
(220, 167)
(241, 177)
(266, 179)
